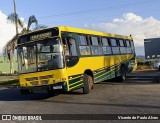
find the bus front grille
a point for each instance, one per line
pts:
(35, 83)
(44, 82)
(46, 77)
(41, 80)
(31, 79)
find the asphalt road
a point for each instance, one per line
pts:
(140, 94)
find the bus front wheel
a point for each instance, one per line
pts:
(25, 91)
(88, 83)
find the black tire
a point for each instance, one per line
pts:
(51, 92)
(159, 68)
(88, 83)
(25, 91)
(123, 74)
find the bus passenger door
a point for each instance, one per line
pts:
(70, 51)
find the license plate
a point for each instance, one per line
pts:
(57, 87)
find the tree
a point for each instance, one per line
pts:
(39, 26)
(32, 19)
(9, 48)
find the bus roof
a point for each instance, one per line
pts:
(83, 31)
(92, 32)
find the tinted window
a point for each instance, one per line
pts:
(129, 49)
(115, 50)
(105, 42)
(128, 43)
(96, 50)
(113, 42)
(123, 50)
(73, 49)
(82, 40)
(84, 50)
(121, 43)
(94, 40)
(122, 47)
(132, 46)
(106, 50)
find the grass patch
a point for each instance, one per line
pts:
(144, 67)
(10, 83)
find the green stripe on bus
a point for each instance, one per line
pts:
(77, 87)
(100, 74)
(109, 75)
(75, 84)
(102, 77)
(74, 80)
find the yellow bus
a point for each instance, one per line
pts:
(64, 59)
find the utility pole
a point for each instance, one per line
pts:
(15, 17)
(12, 50)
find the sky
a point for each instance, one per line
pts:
(140, 18)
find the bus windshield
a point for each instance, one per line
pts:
(40, 56)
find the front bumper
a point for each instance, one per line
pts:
(58, 87)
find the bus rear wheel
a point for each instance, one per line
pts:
(123, 74)
(88, 83)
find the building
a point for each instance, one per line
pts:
(152, 48)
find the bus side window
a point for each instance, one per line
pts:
(69, 46)
(65, 46)
(72, 47)
(95, 47)
(99, 41)
(132, 46)
(105, 46)
(115, 47)
(70, 50)
(84, 47)
(122, 46)
(129, 50)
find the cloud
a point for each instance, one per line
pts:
(140, 28)
(7, 30)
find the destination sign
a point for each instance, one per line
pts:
(38, 35)
(41, 36)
